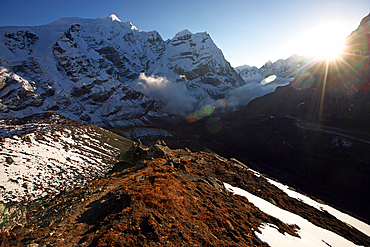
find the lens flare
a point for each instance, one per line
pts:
(268, 80)
(213, 125)
(322, 41)
(191, 118)
(302, 81)
(233, 98)
(223, 103)
(198, 114)
(361, 65)
(207, 110)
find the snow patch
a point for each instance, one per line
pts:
(340, 141)
(183, 33)
(113, 17)
(310, 235)
(361, 226)
(46, 161)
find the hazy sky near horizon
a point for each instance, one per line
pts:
(248, 32)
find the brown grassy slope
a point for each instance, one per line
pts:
(173, 200)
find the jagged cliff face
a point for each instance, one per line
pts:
(197, 58)
(81, 68)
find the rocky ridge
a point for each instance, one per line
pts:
(158, 196)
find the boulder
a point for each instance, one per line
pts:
(160, 149)
(211, 181)
(136, 153)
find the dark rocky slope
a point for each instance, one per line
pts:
(312, 133)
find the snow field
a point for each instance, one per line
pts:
(36, 164)
(310, 235)
(361, 226)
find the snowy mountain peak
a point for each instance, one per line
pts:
(365, 20)
(183, 33)
(268, 63)
(113, 17)
(132, 26)
(126, 24)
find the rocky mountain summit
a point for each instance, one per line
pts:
(160, 196)
(82, 68)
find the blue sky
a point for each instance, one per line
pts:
(248, 32)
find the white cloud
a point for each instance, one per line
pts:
(175, 95)
(241, 96)
(177, 99)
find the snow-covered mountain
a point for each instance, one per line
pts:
(82, 67)
(264, 80)
(203, 65)
(283, 69)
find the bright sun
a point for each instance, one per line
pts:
(324, 41)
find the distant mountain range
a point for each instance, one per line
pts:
(279, 73)
(107, 72)
(82, 68)
(284, 69)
